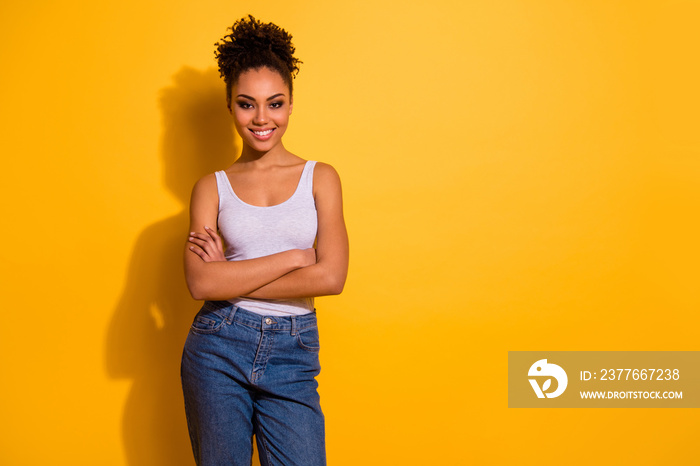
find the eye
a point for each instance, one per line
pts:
(244, 105)
(277, 104)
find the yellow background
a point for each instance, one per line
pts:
(518, 175)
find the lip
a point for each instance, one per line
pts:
(262, 137)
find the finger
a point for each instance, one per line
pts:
(202, 255)
(204, 248)
(214, 235)
(202, 236)
(202, 243)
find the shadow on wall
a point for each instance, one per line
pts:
(151, 321)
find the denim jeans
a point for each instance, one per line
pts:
(244, 374)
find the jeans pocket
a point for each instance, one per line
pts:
(208, 321)
(308, 340)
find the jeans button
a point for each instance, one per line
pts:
(268, 321)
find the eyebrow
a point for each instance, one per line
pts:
(269, 98)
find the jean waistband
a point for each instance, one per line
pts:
(257, 321)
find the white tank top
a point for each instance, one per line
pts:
(253, 231)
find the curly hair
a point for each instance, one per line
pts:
(253, 44)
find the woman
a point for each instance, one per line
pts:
(251, 357)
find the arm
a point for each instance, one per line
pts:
(327, 276)
(210, 277)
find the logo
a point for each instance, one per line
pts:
(542, 369)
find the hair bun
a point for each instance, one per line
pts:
(254, 44)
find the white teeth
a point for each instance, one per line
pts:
(263, 133)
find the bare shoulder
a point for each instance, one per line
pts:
(205, 197)
(205, 184)
(205, 187)
(326, 177)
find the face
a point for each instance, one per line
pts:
(261, 105)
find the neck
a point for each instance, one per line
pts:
(273, 156)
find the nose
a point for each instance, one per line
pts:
(261, 117)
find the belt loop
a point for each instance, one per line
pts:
(231, 314)
(294, 325)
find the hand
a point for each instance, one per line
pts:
(208, 247)
(308, 257)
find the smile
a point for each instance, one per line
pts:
(263, 133)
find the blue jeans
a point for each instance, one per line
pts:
(244, 374)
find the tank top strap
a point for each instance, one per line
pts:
(222, 184)
(306, 183)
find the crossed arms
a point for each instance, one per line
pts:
(297, 273)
